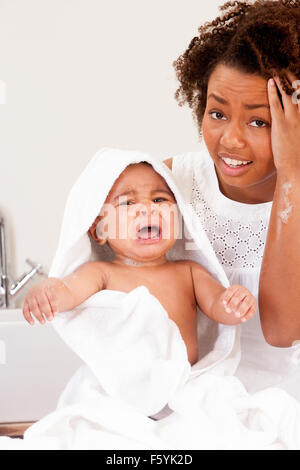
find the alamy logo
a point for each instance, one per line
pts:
(2, 353)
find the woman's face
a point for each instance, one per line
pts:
(237, 132)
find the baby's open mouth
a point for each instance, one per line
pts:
(149, 232)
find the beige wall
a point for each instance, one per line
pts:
(80, 75)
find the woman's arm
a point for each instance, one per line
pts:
(279, 286)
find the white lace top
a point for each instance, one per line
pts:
(237, 243)
(237, 232)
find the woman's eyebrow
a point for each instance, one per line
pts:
(247, 106)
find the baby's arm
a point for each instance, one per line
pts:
(228, 306)
(55, 295)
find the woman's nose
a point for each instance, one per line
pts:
(232, 137)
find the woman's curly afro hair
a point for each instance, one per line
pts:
(260, 37)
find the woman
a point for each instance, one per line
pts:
(240, 77)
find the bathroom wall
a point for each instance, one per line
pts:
(80, 75)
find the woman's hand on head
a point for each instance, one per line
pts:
(285, 131)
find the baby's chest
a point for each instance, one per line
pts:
(175, 293)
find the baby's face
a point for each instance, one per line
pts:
(139, 218)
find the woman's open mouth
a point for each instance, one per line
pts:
(149, 234)
(233, 167)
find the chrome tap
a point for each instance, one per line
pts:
(4, 280)
(7, 291)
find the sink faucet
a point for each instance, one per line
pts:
(5, 290)
(4, 283)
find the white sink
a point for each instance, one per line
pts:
(35, 366)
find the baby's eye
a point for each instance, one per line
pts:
(159, 199)
(126, 203)
(258, 123)
(219, 115)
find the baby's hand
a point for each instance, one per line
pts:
(42, 301)
(239, 301)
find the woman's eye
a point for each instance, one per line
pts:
(219, 116)
(258, 123)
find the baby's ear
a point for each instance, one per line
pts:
(94, 233)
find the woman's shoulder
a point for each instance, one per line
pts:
(182, 161)
(189, 161)
(185, 166)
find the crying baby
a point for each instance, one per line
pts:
(140, 223)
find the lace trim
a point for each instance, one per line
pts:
(237, 244)
(206, 179)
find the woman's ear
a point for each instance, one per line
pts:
(94, 233)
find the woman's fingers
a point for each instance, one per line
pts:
(290, 104)
(275, 105)
(286, 99)
(285, 128)
(296, 85)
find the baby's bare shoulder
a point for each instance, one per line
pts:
(94, 266)
(181, 264)
(195, 267)
(187, 262)
(91, 269)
